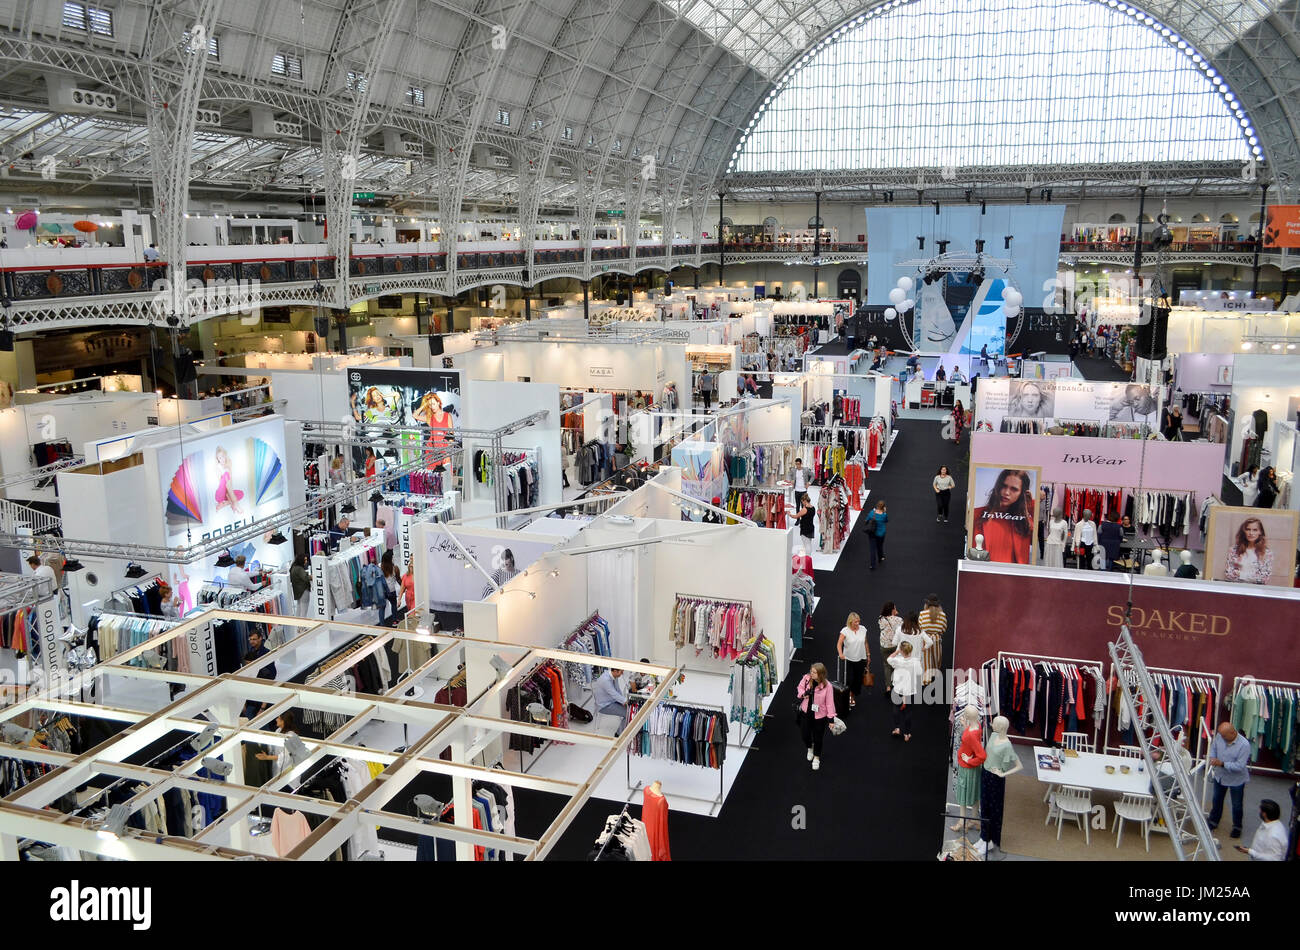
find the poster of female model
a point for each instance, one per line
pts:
(1002, 499)
(429, 400)
(1251, 545)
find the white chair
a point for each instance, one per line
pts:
(1077, 741)
(1130, 751)
(1077, 803)
(1134, 807)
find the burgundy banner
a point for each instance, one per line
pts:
(1202, 626)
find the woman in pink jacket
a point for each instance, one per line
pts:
(815, 689)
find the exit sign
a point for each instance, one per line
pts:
(363, 196)
(614, 213)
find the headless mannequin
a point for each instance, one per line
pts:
(1156, 567)
(969, 762)
(1058, 532)
(1187, 568)
(996, 741)
(978, 553)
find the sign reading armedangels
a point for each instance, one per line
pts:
(1056, 401)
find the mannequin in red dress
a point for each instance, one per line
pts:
(654, 815)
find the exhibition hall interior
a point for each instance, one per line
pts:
(649, 430)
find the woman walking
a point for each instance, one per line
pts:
(890, 624)
(852, 649)
(907, 681)
(934, 624)
(958, 420)
(816, 710)
(943, 486)
(876, 523)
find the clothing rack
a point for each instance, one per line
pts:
(1242, 681)
(618, 821)
(1095, 666)
(715, 601)
(713, 803)
(1212, 681)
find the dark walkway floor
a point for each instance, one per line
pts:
(1102, 369)
(875, 797)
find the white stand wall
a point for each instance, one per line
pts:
(490, 405)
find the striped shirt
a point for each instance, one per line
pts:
(934, 622)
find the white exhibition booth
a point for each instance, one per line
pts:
(173, 488)
(629, 565)
(1192, 330)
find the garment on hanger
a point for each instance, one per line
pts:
(677, 732)
(722, 627)
(753, 678)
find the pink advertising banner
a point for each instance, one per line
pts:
(1075, 460)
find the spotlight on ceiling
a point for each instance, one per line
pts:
(135, 570)
(277, 538)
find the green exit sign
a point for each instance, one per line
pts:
(363, 196)
(614, 213)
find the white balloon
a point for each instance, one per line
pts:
(890, 313)
(905, 283)
(908, 304)
(897, 295)
(1011, 311)
(1013, 297)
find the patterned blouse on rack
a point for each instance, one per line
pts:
(719, 626)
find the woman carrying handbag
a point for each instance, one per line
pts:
(816, 710)
(852, 650)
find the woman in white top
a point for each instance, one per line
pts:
(852, 649)
(943, 485)
(890, 624)
(907, 683)
(1058, 530)
(912, 633)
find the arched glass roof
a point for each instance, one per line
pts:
(997, 82)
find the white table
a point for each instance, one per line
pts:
(1088, 770)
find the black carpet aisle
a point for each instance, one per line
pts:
(1101, 369)
(875, 797)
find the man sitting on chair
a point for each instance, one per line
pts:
(611, 697)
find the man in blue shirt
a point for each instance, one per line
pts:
(1229, 756)
(610, 698)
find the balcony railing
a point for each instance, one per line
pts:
(40, 274)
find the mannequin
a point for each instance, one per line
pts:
(970, 762)
(1001, 762)
(1156, 567)
(1187, 568)
(978, 553)
(1085, 537)
(1058, 531)
(654, 815)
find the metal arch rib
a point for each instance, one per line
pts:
(530, 198)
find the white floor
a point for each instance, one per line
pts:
(696, 790)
